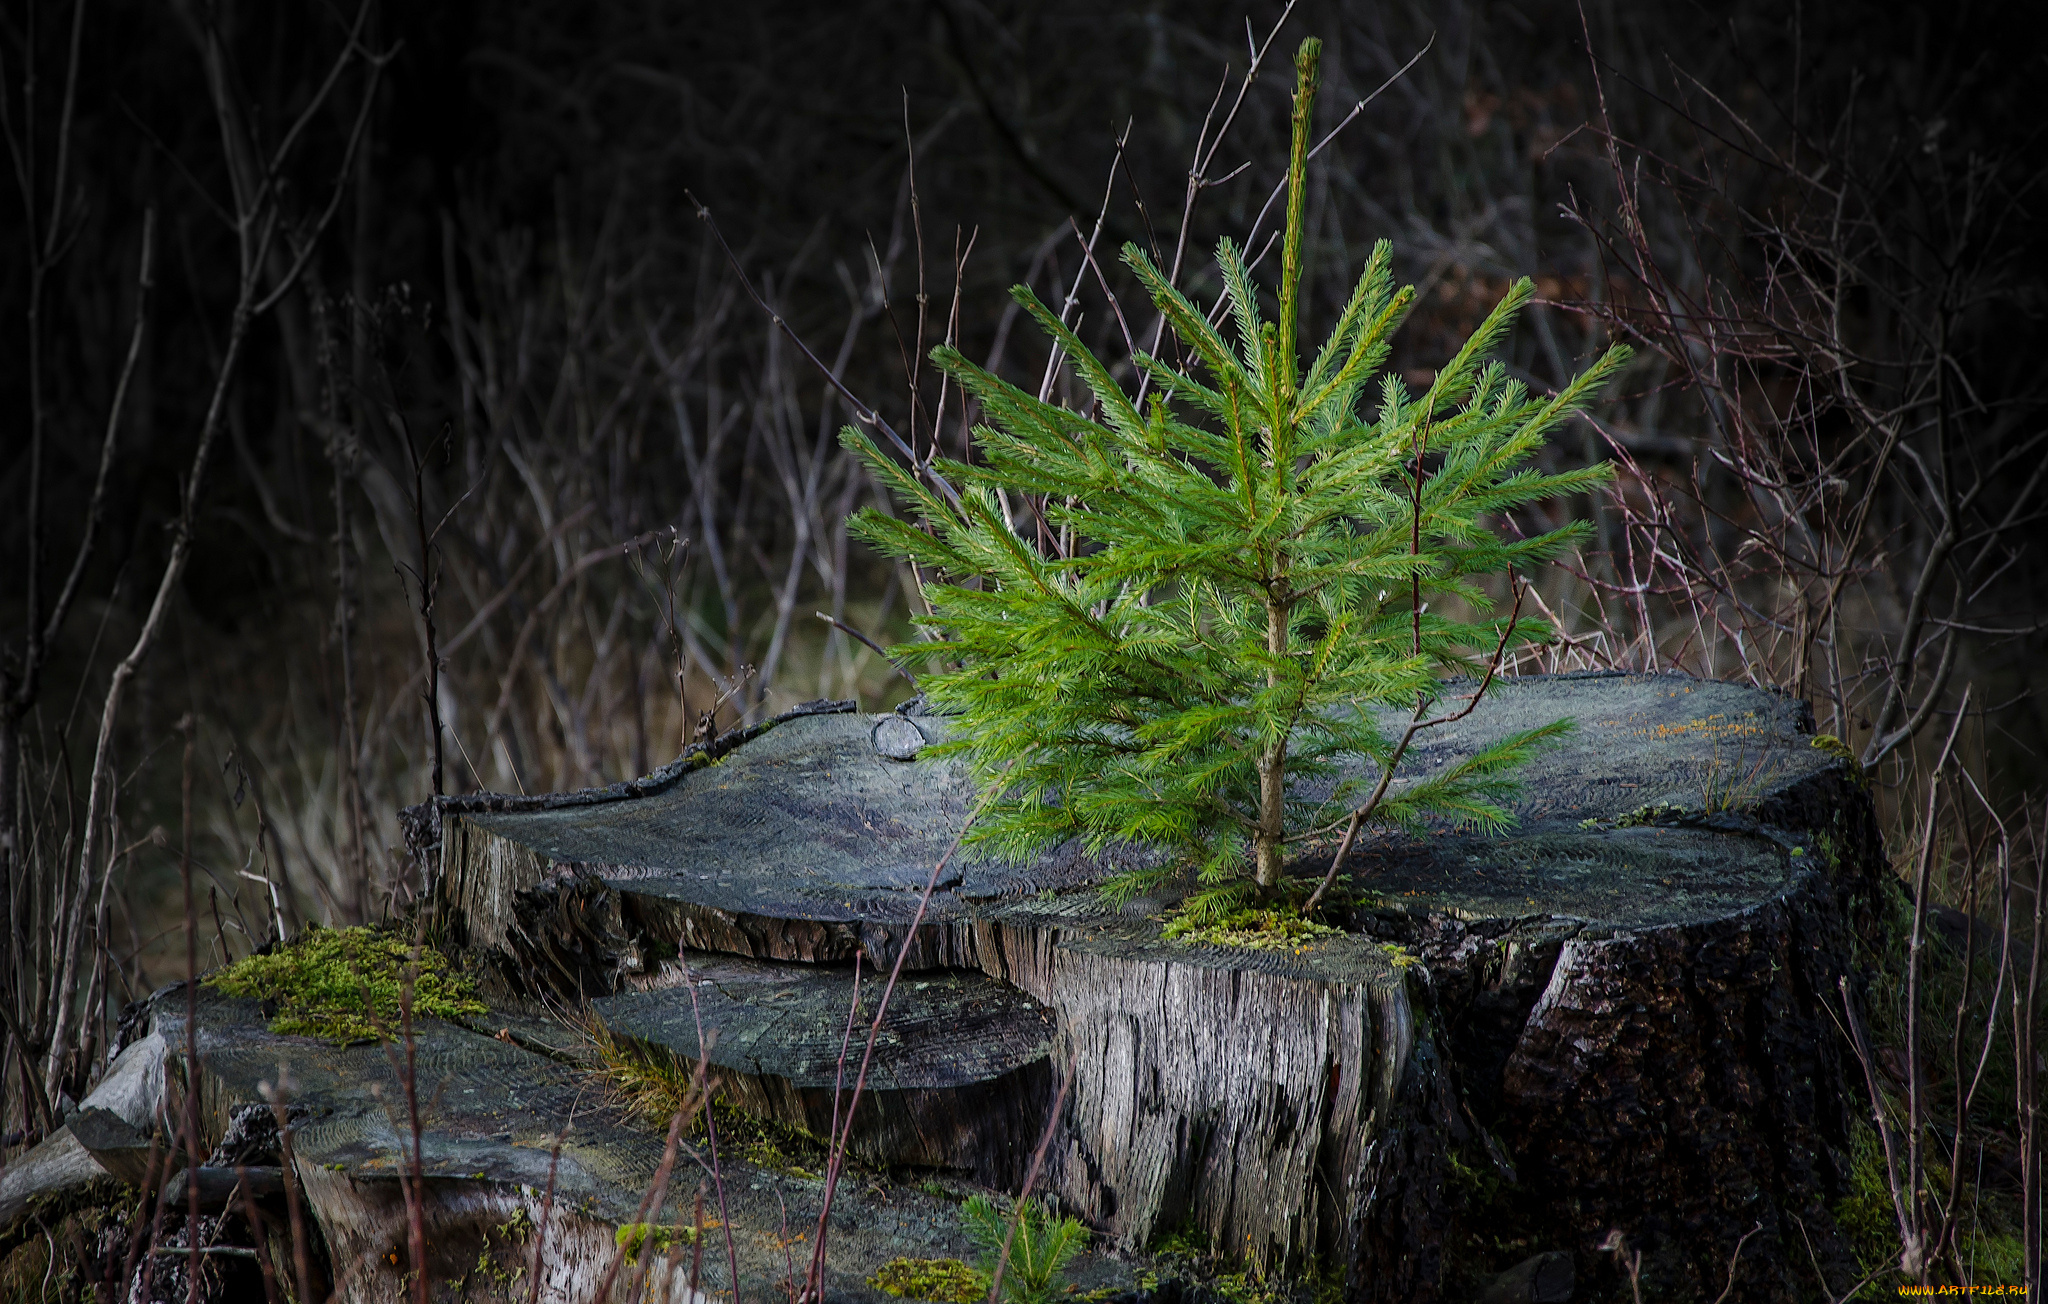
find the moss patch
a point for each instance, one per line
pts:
(654, 1084)
(347, 984)
(1988, 1234)
(1865, 1214)
(1841, 751)
(1187, 1241)
(946, 1280)
(1254, 929)
(632, 1238)
(1208, 1271)
(771, 1145)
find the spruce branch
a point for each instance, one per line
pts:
(1248, 578)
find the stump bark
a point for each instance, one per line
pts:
(1617, 1018)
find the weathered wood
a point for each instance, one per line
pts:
(1236, 1092)
(960, 1077)
(478, 1237)
(55, 1165)
(491, 1114)
(1679, 1078)
(809, 843)
(220, 1189)
(129, 1096)
(477, 882)
(495, 1107)
(1624, 1000)
(1687, 1083)
(118, 1146)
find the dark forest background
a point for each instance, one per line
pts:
(336, 334)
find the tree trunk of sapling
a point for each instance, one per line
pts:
(1269, 841)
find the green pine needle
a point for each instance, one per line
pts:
(1039, 1252)
(1238, 598)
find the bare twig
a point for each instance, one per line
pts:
(256, 218)
(871, 645)
(278, 1094)
(836, 1161)
(861, 410)
(192, 1073)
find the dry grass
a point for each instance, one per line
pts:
(651, 1082)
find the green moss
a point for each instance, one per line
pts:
(771, 1145)
(1988, 1242)
(654, 1084)
(948, 1281)
(1842, 752)
(1652, 813)
(1830, 850)
(1494, 1222)
(346, 984)
(500, 1262)
(1663, 812)
(1865, 1214)
(1252, 928)
(1946, 989)
(1208, 1271)
(656, 1238)
(517, 1227)
(1249, 1287)
(2001, 1259)
(1474, 1187)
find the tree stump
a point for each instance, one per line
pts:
(1618, 1016)
(521, 1152)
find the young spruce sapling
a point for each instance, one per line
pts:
(1245, 573)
